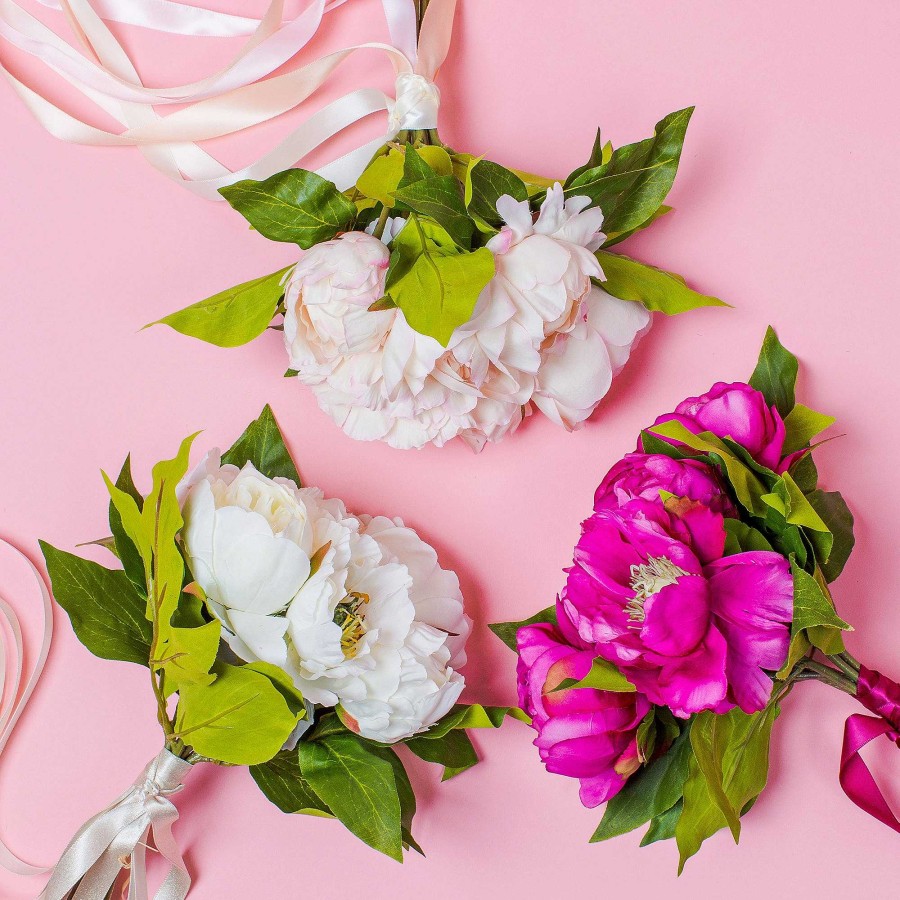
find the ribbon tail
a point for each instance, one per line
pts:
(856, 779)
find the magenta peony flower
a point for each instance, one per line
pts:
(735, 411)
(651, 592)
(584, 733)
(644, 475)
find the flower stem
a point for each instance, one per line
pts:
(832, 677)
(382, 222)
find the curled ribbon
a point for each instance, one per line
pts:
(879, 695)
(242, 94)
(117, 836)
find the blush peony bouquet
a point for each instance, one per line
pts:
(444, 295)
(281, 632)
(697, 599)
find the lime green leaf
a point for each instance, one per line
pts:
(836, 515)
(603, 676)
(802, 513)
(359, 786)
(106, 612)
(634, 182)
(285, 685)
(648, 793)
(381, 177)
(506, 631)
(130, 521)
(190, 654)
(437, 289)
(802, 425)
(241, 718)
(814, 613)
(728, 771)
(439, 198)
(125, 548)
(474, 715)
(656, 289)
(295, 206)
(775, 375)
(262, 444)
(486, 183)
(415, 168)
(233, 317)
(282, 782)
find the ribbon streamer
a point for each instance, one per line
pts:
(879, 695)
(116, 838)
(242, 94)
(15, 689)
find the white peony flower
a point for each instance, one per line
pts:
(539, 336)
(356, 610)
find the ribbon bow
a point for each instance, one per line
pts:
(879, 695)
(104, 845)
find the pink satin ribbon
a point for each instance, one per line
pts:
(881, 696)
(241, 95)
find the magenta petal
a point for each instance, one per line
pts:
(707, 531)
(752, 597)
(600, 788)
(677, 617)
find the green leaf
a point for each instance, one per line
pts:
(263, 445)
(415, 168)
(232, 317)
(648, 793)
(107, 613)
(802, 425)
(453, 751)
(814, 613)
(474, 715)
(728, 770)
(439, 198)
(295, 206)
(775, 375)
(506, 631)
(603, 676)
(125, 549)
(836, 515)
(285, 685)
(190, 654)
(486, 183)
(633, 184)
(805, 474)
(656, 289)
(381, 177)
(624, 235)
(406, 795)
(662, 827)
(741, 537)
(241, 718)
(600, 153)
(436, 288)
(281, 780)
(359, 786)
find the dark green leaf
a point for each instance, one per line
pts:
(263, 445)
(662, 827)
(359, 786)
(281, 780)
(453, 751)
(233, 317)
(659, 291)
(506, 631)
(405, 794)
(107, 613)
(125, 549)
(814, 613)
(415, 168)
(439, 198)
(775, 375)
(599, 152)
(296, 206)
(805, 473)
(487, 183)
(835, 513)
(741, 537)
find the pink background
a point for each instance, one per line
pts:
(787, 207)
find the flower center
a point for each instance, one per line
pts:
(648, 579)
(349, 615)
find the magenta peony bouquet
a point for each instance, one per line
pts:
(698, 597)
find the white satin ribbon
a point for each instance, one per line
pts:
(237, 97)
(15, 688)
(117, 836)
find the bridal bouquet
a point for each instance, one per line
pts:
(697, 599)
(280, 632)
(444, 295)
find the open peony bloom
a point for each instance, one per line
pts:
(739, 412)
(691, 629)
(540, 335)
(644, 475)
(587, 734)
(356, 610)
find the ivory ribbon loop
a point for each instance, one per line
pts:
(116, 838)
(417, 103)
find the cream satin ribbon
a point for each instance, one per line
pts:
(238, 96)
(15, 687)
(117, 836)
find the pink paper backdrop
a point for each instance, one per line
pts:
(788, 207)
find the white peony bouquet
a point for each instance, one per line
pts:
(281, 632)
(446, 296)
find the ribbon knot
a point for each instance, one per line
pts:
(880, 695)
(416, 107)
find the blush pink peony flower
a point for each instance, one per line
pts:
(583, 733)
(651, 592)
(739, 412)
(644, 475)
